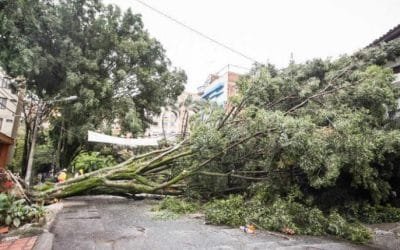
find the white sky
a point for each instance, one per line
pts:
(266, 30)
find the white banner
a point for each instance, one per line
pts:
(97, 137)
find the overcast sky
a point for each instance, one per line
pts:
(266, 30)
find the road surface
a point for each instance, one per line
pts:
(116, 223)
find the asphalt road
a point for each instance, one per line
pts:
(116, 223)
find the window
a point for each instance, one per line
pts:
(3, 83)
(3, 103)
(1, 123)
(9, 120)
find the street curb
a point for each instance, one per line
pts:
(45, 240)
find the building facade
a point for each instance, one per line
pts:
(8, 105)
(219, 88)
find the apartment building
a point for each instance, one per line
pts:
(221, 86)
(8, 105)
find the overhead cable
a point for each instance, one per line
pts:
(197, 32)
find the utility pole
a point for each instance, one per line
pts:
(33, 144)
(17, 117)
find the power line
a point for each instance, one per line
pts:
(228, 66)
(197, 32)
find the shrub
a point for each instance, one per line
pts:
(15, 212)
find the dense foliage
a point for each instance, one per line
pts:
(96, 52)
(284, 215)
(90, 161)
(325, 127)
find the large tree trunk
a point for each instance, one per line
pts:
(142, 174)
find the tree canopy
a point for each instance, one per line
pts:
(96, 52)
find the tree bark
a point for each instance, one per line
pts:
(129, 177)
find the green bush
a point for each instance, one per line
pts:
(91, 161)
(177, 206)
(15, 212)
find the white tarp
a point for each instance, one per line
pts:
(97, 137)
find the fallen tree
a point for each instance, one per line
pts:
(129, 177)
(323, 129)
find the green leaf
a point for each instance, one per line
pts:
(16, 222)
(8, 220)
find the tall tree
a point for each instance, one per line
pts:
(96, 52)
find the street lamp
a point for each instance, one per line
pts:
(35, 129)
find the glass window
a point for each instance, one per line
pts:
(3, 103)
(3, 83)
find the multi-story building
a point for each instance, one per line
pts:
(220, 87)
(8, 105)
